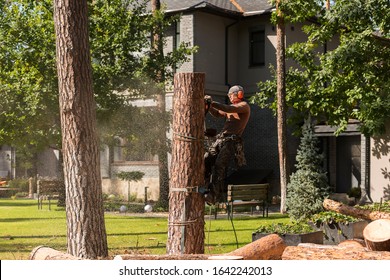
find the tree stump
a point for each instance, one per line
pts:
(269, 247)
(377, 235)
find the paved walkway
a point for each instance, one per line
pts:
(221, 215)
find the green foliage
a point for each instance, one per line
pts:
(308, 185)
(29, 107)
(330, 217)
(120, 50)
(349, 81)
(377, 206)
(20, 184)
(134, 176)
(285, 228)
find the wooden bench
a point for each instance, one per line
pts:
(49, 189)
(247, 195)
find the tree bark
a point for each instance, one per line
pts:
(353, 211)
(332, 253)
(281, 106)
(86, 233)
(186, 205)
(269, 247)
(377, 235)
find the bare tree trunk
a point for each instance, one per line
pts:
(158, 53)
(84, 201)
(186, 205)
(281, 107)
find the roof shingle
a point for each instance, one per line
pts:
(247, 6)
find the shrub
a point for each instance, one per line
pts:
(330, 217)
(20, 184)
(285, 228)
(308, 185)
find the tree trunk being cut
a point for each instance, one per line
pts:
(353, 211)
(377, 235)
(269, 247)
(186, 204)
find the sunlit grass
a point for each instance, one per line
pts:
(23, 227)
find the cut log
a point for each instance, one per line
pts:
(359, 243)
(46, 253)
(269, 247)
(377, 235)
(353, 211)
(332, 252)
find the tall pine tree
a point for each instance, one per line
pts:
(308, 185)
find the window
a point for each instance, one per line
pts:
(257, 47)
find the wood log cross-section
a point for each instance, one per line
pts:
(377, 235)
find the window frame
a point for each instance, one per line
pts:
(253, 46)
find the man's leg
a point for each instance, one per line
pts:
(221, 163)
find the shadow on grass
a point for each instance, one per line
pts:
(15, 220)
(23, 203)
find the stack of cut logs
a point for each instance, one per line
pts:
(375, 246)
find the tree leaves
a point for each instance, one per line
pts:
(349, 81)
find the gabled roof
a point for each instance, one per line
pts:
(232, 7)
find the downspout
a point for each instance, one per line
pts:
(227, 52)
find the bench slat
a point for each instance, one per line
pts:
(247, 195)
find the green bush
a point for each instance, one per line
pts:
(285, 228)
(376, 206)
(20, 184)
(330, 217)
(308, 185)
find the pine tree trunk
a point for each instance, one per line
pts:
(186, 206)
(281, 107)
(86, 234)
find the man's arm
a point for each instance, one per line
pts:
(241, 107)
(216, 113)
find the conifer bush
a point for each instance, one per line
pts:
(308, 184)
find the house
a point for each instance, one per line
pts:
(236, 46)
(237, 43)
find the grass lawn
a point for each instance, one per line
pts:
(23, 227)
